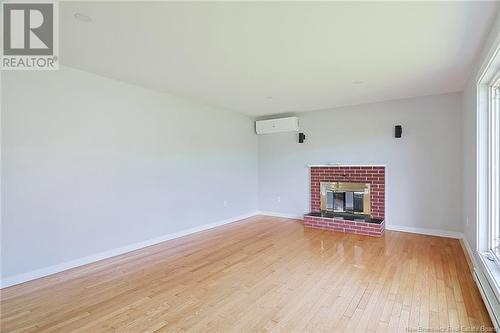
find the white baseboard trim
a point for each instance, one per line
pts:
(471, 254)
(39, 273)
(426, 231)
(285, 215)
(482, 283)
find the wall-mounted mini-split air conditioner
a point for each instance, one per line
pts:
(289, 124)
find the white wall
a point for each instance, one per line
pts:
(424, 167)
(470, 136)
(90, 164)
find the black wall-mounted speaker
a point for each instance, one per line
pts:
(398, 130)
(302, 137)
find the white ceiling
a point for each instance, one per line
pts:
(263, 58)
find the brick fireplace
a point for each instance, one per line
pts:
(347, 199)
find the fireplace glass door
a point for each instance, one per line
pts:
(349, 201)
(358, 202)
(338, 201)
(329, 200)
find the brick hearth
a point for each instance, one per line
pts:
(340, 225)
(374, 175)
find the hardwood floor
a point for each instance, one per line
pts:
(261, 274)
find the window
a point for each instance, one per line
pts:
(494, 168)
(487, 185)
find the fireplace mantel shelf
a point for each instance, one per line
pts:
(344, 165)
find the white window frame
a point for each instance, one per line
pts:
(487, 193)
(493, 169)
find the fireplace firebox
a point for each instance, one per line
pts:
(344, 197)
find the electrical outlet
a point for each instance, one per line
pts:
(467, 221)
(225, 203)
(278, 199)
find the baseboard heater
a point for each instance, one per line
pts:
(489, 297)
